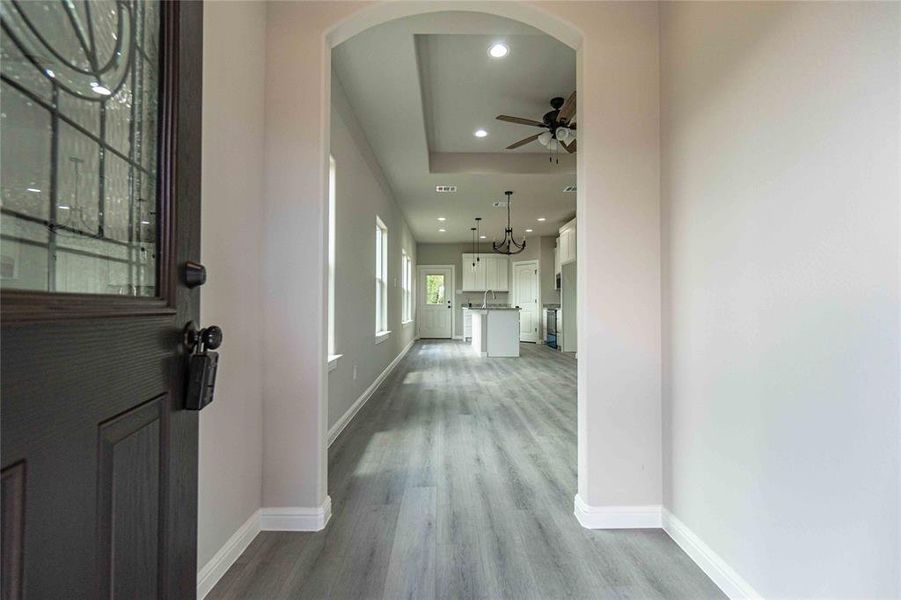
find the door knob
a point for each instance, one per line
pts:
(208, 338)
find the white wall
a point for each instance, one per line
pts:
(361, 194)
(230, 427)
(780, 179)
(618, 249)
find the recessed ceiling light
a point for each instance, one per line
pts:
(482, 237)
(480, 133)
(541, 219)
(442, 219)
(498, 50)
(442, 230)
(528, 231)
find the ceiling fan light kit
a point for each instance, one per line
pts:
(509, 245)
(559, 123)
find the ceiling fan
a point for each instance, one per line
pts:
(559, 123)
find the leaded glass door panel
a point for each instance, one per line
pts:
(78, 146)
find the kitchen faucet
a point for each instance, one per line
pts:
(485, 298)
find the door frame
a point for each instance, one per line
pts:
(513, 298)
(453, 296)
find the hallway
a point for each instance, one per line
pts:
(456, 480)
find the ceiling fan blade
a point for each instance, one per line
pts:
(523, 142)
(571, 148)
(568, 109)
(520, 120)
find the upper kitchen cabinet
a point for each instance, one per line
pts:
(566, 244)
(473, 276)
(490, 273)
(497, 273)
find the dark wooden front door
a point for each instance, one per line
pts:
(100, 174)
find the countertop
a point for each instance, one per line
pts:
(480, 309)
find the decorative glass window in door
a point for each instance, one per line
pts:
(78, 146)
(434, 289)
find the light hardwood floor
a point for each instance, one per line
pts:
(456, 481)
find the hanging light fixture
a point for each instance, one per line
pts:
(473, 229)
(509, 245)
(475, 245)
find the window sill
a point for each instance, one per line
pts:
(381, 336)
(333, 361)
(407, 323)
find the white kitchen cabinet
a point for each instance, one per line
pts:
(566, 244)
(496, 275)
(473, 278)
(490, 273)
(467, 324)
(557, 257)
(502, 275)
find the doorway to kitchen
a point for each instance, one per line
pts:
(436, 307)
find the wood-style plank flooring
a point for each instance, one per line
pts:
(456, 481)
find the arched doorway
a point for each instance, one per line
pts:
(380, 14)
(618, 201)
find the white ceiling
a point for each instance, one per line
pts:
(465, 89)
(419, 87)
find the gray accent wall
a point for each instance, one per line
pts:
(362, 194)
(537, 248)
(452, 254)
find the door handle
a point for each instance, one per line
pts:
(202, 364)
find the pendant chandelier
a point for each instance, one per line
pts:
(509, 245)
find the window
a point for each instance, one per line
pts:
(434, 289)
(332, 353)
(407, 280)
(381, 280)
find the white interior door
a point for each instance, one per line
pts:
(525, 295)
(436, 306)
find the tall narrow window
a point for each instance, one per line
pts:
(407, 280)
(381, 279)
(331, 258)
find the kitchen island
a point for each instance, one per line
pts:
(495, 331)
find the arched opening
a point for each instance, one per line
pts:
(379, 14)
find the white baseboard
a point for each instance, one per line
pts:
(213, 571)
(296, 518)
(348, 416)
(617, 517)
(458, 337)
(724, 576)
